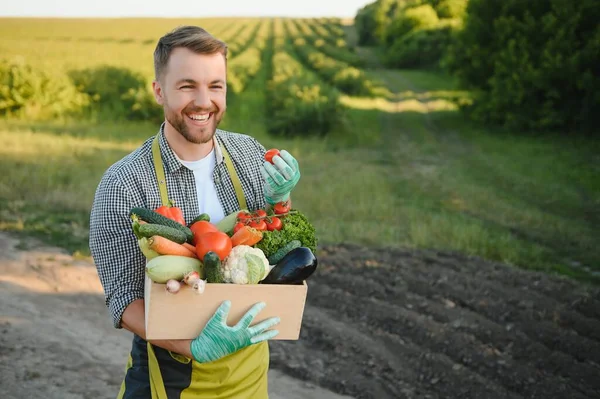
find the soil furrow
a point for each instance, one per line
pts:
(382, 374)
(462, 348)
(505, 338)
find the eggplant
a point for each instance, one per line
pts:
(294, 268)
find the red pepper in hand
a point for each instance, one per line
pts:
(171, 212)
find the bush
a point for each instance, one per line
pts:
(27, 92)
(532, 65)
(410, 19)
(451, 8)
(298, 104)
(117, 93)
(420, 48)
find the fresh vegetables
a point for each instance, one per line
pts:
(200, 228)
(150, 216)
(274, 246)
(245, 265)
(216, 241)
(212, 268)
(283, 251)
(148, 253)
(281, 208)
(246, 235)
(172, 212)
(164, 246)
(202, 216)
(171, 267)
(295, 227)
(270, 154)
(228, 222)
(295, 267)
(150, 229)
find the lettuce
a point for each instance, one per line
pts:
(295, 227)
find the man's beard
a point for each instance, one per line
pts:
(206, 132)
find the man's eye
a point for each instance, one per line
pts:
(187, 87)
(217, 87)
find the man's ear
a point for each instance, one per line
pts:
(158, 92)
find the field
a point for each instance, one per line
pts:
(426, 221)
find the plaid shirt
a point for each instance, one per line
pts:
(132, 182)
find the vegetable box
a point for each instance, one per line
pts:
(184, 315)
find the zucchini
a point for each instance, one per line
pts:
(202, 216)
(150, 216)
(283, 251)
(172, 267)
(228, 222)
(151, 229)
(212, 268)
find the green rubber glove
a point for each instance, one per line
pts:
(218, 340)
(281, 178)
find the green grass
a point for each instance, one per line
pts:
(406, 170)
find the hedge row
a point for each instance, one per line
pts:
(345, 77)
(101, 92)
(299, 103)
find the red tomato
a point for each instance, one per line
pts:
(270, 154)
(258, 224)
(218, 242)
(237, 226)
(244, 217)
(281, 208)
(275, 224)
(200, 228)
(260, 213)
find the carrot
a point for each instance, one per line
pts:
(189, 246)
(164, 246)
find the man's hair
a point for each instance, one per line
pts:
(193, 38)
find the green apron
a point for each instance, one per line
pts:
(153, 372)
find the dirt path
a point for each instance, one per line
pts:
(56, 339)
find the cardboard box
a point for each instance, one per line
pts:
(184, 315)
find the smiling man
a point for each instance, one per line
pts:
(202, 169)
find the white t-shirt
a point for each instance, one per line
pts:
(208, 201)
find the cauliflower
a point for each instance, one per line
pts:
(245, 265)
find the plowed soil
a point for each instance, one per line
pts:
(407, 324)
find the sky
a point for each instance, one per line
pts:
(180, 8)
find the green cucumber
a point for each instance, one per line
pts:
(150, 216)
(151, 229)
(283, 251)
(202, 216)
(212, 268)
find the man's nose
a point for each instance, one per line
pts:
(202, 99)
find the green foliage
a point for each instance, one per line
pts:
(413, 33)
(421, 47)
(421, 17)
(31, 93)
(532, 65)
(298, 103)
(451, 8)
(118, 92)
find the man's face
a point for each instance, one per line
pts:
(192, 92)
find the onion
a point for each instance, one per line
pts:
(191, 278)
(199, 286)
(173, 286)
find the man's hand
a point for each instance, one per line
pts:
(280, 178)
(218, 340)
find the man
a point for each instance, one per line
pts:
(206, 170)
